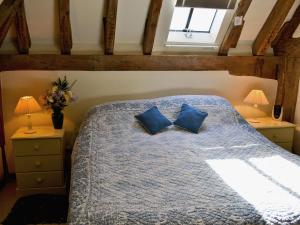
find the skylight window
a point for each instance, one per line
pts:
(199, 25)
(192, 19)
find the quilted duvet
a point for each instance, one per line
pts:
(226, 174)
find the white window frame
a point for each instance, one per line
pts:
(212, 39)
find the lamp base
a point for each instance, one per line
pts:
(29, 131)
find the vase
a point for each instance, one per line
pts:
(57, 118)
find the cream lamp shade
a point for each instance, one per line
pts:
(256, 97)
(27, 105)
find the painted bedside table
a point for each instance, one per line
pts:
(39, 160)
(279, 132)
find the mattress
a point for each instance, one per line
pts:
(226, 174)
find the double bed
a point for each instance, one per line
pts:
(226, 174)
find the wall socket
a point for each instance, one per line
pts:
(238, 20)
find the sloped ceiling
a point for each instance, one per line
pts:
(87, 27)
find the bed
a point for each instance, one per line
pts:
(226, 174)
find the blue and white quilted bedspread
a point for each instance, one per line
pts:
(226, 174)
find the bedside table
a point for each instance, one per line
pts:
(39, 160)
(279, 132)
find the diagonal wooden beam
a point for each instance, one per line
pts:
(233, 33)
(110, 26)
(23, 36)
(8, 9)
(65, 27)
(290, 27)
(285, 44)
(5, 27)
(271, 27)
(151, 25)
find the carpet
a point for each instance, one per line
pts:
(38, 209)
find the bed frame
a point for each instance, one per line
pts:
(283, 67)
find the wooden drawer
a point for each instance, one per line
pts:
(40, 179)
(286, 145)
(39, 163)
(50, 146)
(278, 134)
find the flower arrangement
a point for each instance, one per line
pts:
(59, 96)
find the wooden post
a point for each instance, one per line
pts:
(110, 26)
(233, 33)
(23, 36)
(65, 27)
(2, 138)
(287, 91)
(151, 25)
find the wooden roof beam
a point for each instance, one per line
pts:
(265, 67)
(110, 26)
(289, 27)
(5, 27)
(23, 36)
(151, 25)
(8, 9)
(271, 27)
(285, 44)
(233, 33)
(65, 27)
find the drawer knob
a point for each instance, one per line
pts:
(37, 164)
(36, 147)
(274, 136)
(39, 180)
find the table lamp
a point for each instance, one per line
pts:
(28, 105)
(256, 97)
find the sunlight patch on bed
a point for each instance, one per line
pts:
(281, 170)
(212, 148)
(266, 197)
(244, 146)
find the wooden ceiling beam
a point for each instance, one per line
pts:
(285, 44)
(8, 9)
(151, 26)
(110, 26)
(233, 32)
(65, 27)
(289, 27)
(5, 27)
(271, 27)
(23, 36)
(237, 65)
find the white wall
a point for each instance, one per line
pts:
(98, 87)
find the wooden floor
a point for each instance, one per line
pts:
(7, 200)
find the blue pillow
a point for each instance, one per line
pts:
(190, 118)
(153, 121)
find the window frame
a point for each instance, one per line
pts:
(186, 29)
